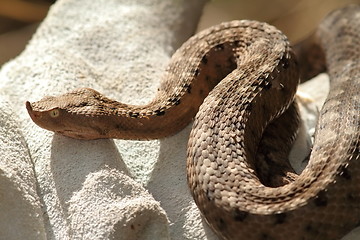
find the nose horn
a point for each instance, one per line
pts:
(30, 111)
(28, 106)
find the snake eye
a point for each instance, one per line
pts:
(54, 113)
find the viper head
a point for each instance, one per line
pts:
(69, 114)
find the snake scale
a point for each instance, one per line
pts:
(239, 79)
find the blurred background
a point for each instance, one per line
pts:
(296, 18)
(18, 21)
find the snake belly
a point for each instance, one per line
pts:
(239, 77)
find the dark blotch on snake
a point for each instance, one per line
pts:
(187, 86)
(265, 236)
(201, 92)
(351, 198)
(284, 62)
(219, 47)
(321, 199)
(266, 84)
(133, 115)
(159, 112)
(221, 224)
(197, 72)
(345, 174)
(239, 216)
(248, 106)
(309, 229)
(280, 218)
(204, 60)
(175, 100)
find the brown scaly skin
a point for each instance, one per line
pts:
(248, 73)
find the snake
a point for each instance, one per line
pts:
(236, 81)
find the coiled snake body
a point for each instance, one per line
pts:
(247, 74)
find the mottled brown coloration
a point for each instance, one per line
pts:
(248, 73)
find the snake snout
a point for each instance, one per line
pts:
(31, 112)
